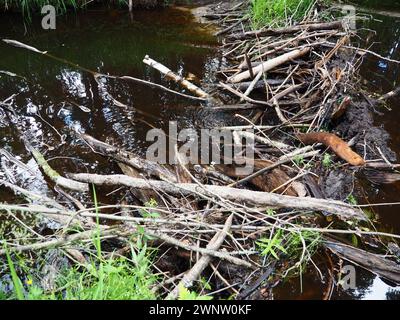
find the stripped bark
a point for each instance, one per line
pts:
(178, 79)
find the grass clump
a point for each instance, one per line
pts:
(115, 278)
(271, 12)
(111, 278)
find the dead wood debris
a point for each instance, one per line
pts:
(294, 81)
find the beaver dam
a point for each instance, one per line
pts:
(198, 153)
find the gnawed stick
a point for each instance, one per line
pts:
(270, 64)
(338, 208)
(178, 79)
(96, 74)
(264, 140)
(202, 263)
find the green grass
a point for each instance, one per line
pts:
(109, 279)
(265, 13)
(113, 278)
(18, 288)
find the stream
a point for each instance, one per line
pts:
(52, 97)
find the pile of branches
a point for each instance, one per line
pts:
(244, 233)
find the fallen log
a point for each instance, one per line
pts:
(374, 263)
(178, 79)
(270, 64)
(338, 146)
(289, 30)
(338, 208)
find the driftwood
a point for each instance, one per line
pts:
(270, 64)
(338, 208)
(149, 167)
(340, 147)
(289, 30)
(178, 79)
(377, 264)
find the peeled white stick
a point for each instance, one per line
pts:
(173, 76)
(270, 64)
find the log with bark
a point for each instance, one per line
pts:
(377, 264)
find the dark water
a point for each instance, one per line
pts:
(113, 42)
(109, 42)
(381, 77)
